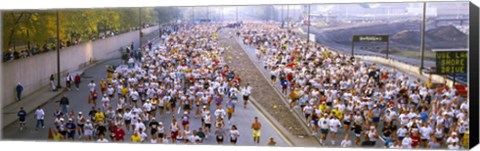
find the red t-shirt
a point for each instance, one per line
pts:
(119, 134)
(415, 141)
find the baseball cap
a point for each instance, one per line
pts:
(79, 112)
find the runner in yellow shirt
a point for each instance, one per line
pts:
(99, 116)
(135, 138)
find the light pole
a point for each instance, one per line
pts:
(140, 25)
(308, 27)
(423, 38)
(58, 51)
(236, 18)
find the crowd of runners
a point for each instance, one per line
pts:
(337, 93)
(184, 72)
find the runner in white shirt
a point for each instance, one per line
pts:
(102, 139)
(208, 123)
(307, 110)
(92, 86)
(425, 132)
(220, 112)
(324, 126)
(127, 117)
(407, 142)
(334, 124)
(234, 135)
(402, 132)
(346, 142)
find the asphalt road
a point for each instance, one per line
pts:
(242, 118)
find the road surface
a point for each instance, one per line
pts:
(242, 118)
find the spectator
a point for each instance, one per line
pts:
(52, 83)
(77, 81)
(64, 104)
(19, 90)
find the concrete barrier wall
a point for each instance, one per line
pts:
(410, 69)
(34, 72)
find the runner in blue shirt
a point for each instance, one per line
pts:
(22, 117)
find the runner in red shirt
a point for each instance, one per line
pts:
(119, 134)
(415, 139)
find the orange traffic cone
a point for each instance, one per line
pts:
(50, 135)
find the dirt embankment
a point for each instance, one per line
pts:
(405, 35)
(263, 93)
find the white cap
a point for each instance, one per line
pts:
(79, 112)
(160, 123)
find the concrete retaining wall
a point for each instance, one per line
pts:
(410, 69)
(34, 72)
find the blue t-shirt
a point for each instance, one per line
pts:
(424, 116)
(21, 115)
(71, 126)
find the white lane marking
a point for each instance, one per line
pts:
(178, 112)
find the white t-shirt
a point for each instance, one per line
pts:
(426, 131)
(452, 140)
(92, 86)
(346, 143)
(324, 123)
(234, 133)
(456, 147)
(407, 142)
(402, 132)
(334, 123)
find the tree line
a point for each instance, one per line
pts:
(37, 29)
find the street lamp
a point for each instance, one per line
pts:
(423, 37)
(58, 51)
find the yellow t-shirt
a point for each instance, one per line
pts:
(338, 113)
(124, 91)
(136, 138)
(99, 116)
(322, 107)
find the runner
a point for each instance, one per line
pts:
(174, 128)
(71, 128)
(80, 124)
(230, 110)
(127, 117)
(234, 135)
(246, 91)
(256, 126)
(88, 130)
(161, 131)
(208, 123)
(324, 126)
(219, 133)
(346, 143)
(271, 142)
(21, 117)
(334, 124)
